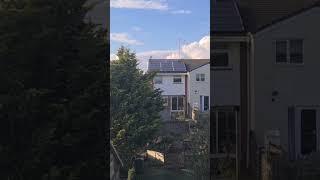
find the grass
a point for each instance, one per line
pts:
(164, 174)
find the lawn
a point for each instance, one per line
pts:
(159, 173)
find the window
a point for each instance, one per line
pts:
(289, 51)
(200, 77)
(177, 79)
(281, 54)
(220, 59)
(177, 103)
(223, 132)
(158, 79)
(165, 100)
(308, 131)
(296, 53)
(204, 103)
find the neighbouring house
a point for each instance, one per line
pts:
(285, 98)
(198, 85)
(185, 85)
(263, 61)
(115, 164)
(171, 78)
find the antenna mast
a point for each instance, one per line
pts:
(179, 49)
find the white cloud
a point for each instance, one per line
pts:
(181, 11)
(139, 4)
(198, 50)
(195, 50)
(113, 57)
(124, 38)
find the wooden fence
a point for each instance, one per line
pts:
(277, 167)
(155, 155)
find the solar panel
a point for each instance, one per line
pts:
(179, 66)
(166, 65)
(154, 66)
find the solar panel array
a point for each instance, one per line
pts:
(226, 17)
(164, 65)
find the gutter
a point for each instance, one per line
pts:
(250, 73)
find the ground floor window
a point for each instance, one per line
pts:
(204, 103)
(165, 100)
(223, 131)
(177, 103)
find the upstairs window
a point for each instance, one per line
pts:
(281, 52)
(158, 79)
(177, 79)
(220, 59)
(200, 77)
(289, 51)
(296, 51)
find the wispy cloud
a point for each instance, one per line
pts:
(139, 4)
(124, 38)
(136, 28)
(181, 11)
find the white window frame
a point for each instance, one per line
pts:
(298, 109)
(229, 66)
(177, 108)
(200, 77)
(288, 62)
(202, 103)
(175, 77)
(217, 153)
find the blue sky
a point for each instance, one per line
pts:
(154, 27)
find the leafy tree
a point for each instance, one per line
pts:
(134, 106)
(53, 93)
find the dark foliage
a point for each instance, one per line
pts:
(53, 92)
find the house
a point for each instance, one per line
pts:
(185, 85)
(285, 98)
(171, 79)
(198, 85)
(263, 60)
(228, 123)
(115, 163)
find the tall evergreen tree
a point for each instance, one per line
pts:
(134, 106)
(53, 93)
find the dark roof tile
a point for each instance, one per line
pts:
(226, 17)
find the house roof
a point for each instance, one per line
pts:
(115, 153)
(193, 64)
(260, 14)
(293, 14)
(167, 66)
(226, 17)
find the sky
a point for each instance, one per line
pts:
(155, 28)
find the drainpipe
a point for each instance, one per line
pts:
(250, 86)
(186, 95)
